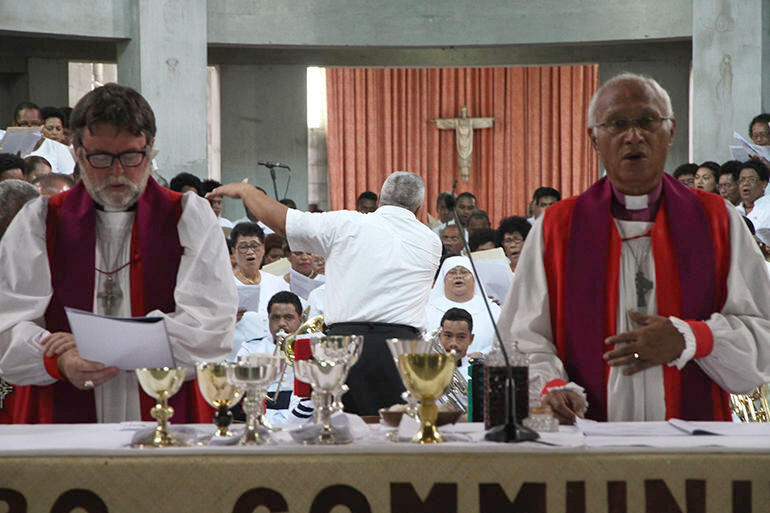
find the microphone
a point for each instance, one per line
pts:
(268, 163)
(510, 430)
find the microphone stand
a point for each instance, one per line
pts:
(510, 431)
(272, 176)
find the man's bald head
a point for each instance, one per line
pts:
(631, 126)
(53, 183)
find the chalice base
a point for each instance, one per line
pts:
(428, 434)
(155, 440)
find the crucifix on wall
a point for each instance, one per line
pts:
(463, 127)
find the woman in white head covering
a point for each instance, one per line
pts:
(455, 287)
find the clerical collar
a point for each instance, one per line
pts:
(636, 208)
(99, 206)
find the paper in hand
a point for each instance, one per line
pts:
(494, 270)
(302, 285)
(248, 297)
(20, 140)
(125, 343)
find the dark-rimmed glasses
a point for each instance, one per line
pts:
(104, 160)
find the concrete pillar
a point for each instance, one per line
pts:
(48, 81)
(264, 117)
(731, 72)
(165, 60)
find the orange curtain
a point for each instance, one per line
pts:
(379, 121)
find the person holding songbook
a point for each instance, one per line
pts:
(116, 244)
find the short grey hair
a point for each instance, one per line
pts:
(668, 111)
(403, 189)
(13, 195)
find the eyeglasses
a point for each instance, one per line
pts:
(103, 159)
(621, 125)
(245, 248)
(725, 186)
(450, 238)
(748, 180)
(458, 271)
(687, 181)
(513, 239)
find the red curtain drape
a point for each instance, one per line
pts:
(379, 121)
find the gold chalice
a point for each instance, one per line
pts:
(219, 393)
(160, 384)
(399, 346)
(426, 376)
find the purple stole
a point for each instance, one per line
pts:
(582, 309)
(71, 241)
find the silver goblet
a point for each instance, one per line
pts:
(325, 378)
(340, 349)
(254, 373)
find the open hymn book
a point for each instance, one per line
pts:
(125, 343)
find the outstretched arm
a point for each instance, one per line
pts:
(267, 210)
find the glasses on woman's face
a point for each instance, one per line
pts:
(459, 271)
(245, 248)
(748, 180)
(513, 239)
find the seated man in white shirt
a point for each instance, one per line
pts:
(457, 335)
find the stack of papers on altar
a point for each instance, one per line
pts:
(125, 343)
(672, 427)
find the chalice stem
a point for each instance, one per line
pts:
(162, 412)
(428, 433)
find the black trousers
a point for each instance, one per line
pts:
(374, 380)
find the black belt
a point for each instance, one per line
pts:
(357, 327)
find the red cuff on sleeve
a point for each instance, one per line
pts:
(552, 384)
(52, 367)
(704, 339)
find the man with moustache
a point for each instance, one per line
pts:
(116, 244)
(650, 297)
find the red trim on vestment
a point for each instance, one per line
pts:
(52, 366)
(556, 230)
(704, 339)
(552, 384)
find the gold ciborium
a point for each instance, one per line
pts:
(426, 376)
(160, 384)
(219, 393)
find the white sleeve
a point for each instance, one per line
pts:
(25, 291)
(740, 360)
(526, 315)
(201, 327)
(314, 232)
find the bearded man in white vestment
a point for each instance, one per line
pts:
(649, 298)
(116, 244)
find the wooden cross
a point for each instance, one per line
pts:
(463, 127)
(110, 294)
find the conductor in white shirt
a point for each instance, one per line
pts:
(379, 272)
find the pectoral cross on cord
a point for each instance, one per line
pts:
(642, 284)
(110, 293)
